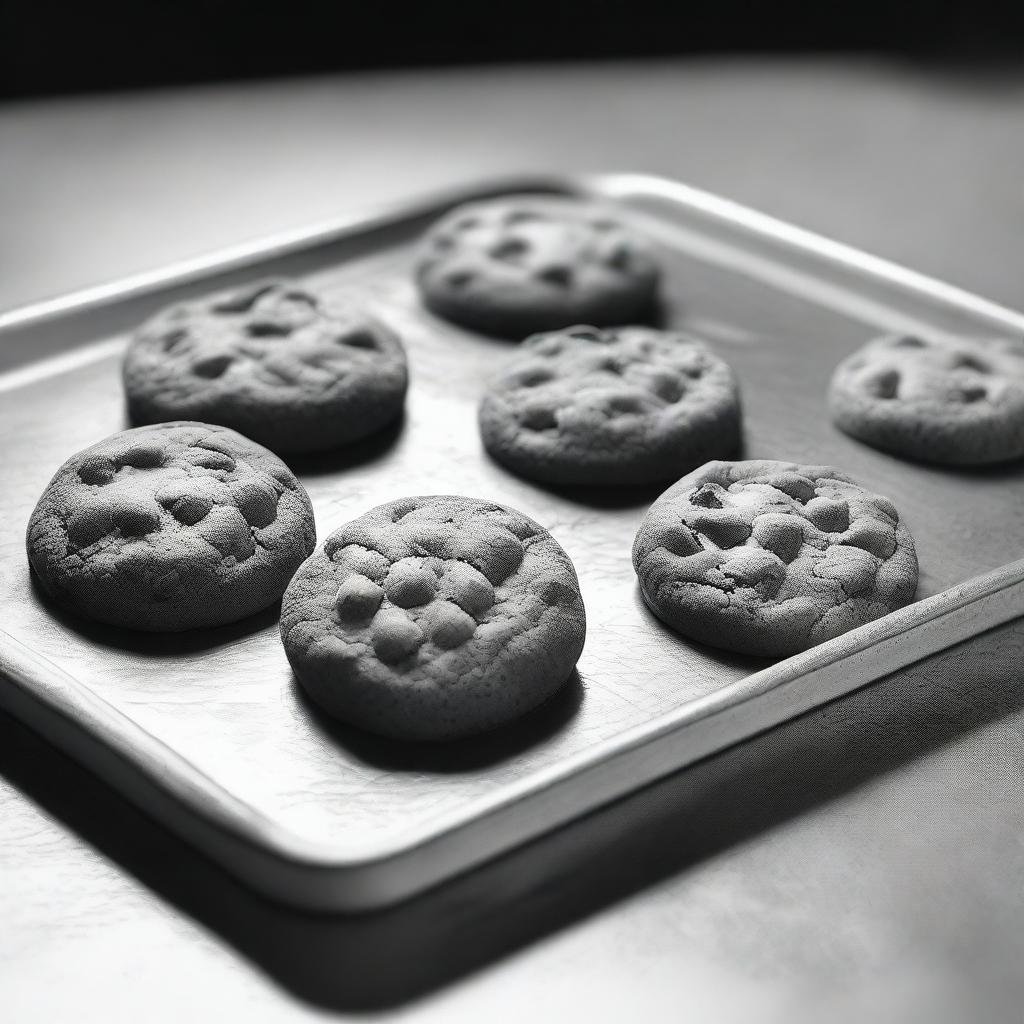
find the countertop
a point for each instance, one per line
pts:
(866, 861)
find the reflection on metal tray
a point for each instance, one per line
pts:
(209, 732)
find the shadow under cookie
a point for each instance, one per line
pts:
(636, 496)
(453, 756)
(730, 660)
(350, 456)
(609, 496)
(192, 641)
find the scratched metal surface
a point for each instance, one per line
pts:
(226, 700)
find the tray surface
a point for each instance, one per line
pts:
(225, 700)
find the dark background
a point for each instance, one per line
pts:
(50, 47)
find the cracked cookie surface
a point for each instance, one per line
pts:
(513, 267)
(293, 370)
(620, 406)
(431, 618)
(959, 402)
(772, 558)
(170, 527)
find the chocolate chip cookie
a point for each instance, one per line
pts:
(619, 406)
(293, 370)
(771, 558)
(436, 617)
(170, 527)
(954, 401)
(512, 267)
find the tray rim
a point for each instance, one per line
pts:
(58, 697)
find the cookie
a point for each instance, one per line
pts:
(772, 558)
(293, 370)
(431, 618)
(958, 402)
(170, 527)
(513, 267)
(619, 406)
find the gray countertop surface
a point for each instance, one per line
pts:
(866, 861)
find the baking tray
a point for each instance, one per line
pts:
(209, 733)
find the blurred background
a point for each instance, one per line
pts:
(50, 47)
(133, 135)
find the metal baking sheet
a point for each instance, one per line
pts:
(209, 731)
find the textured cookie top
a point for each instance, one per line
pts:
(537, 261)
(937, 376)
(612, 398)
(171, 515)
(442, 599)
(956, 400)
(785, 555)
(259, 349)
